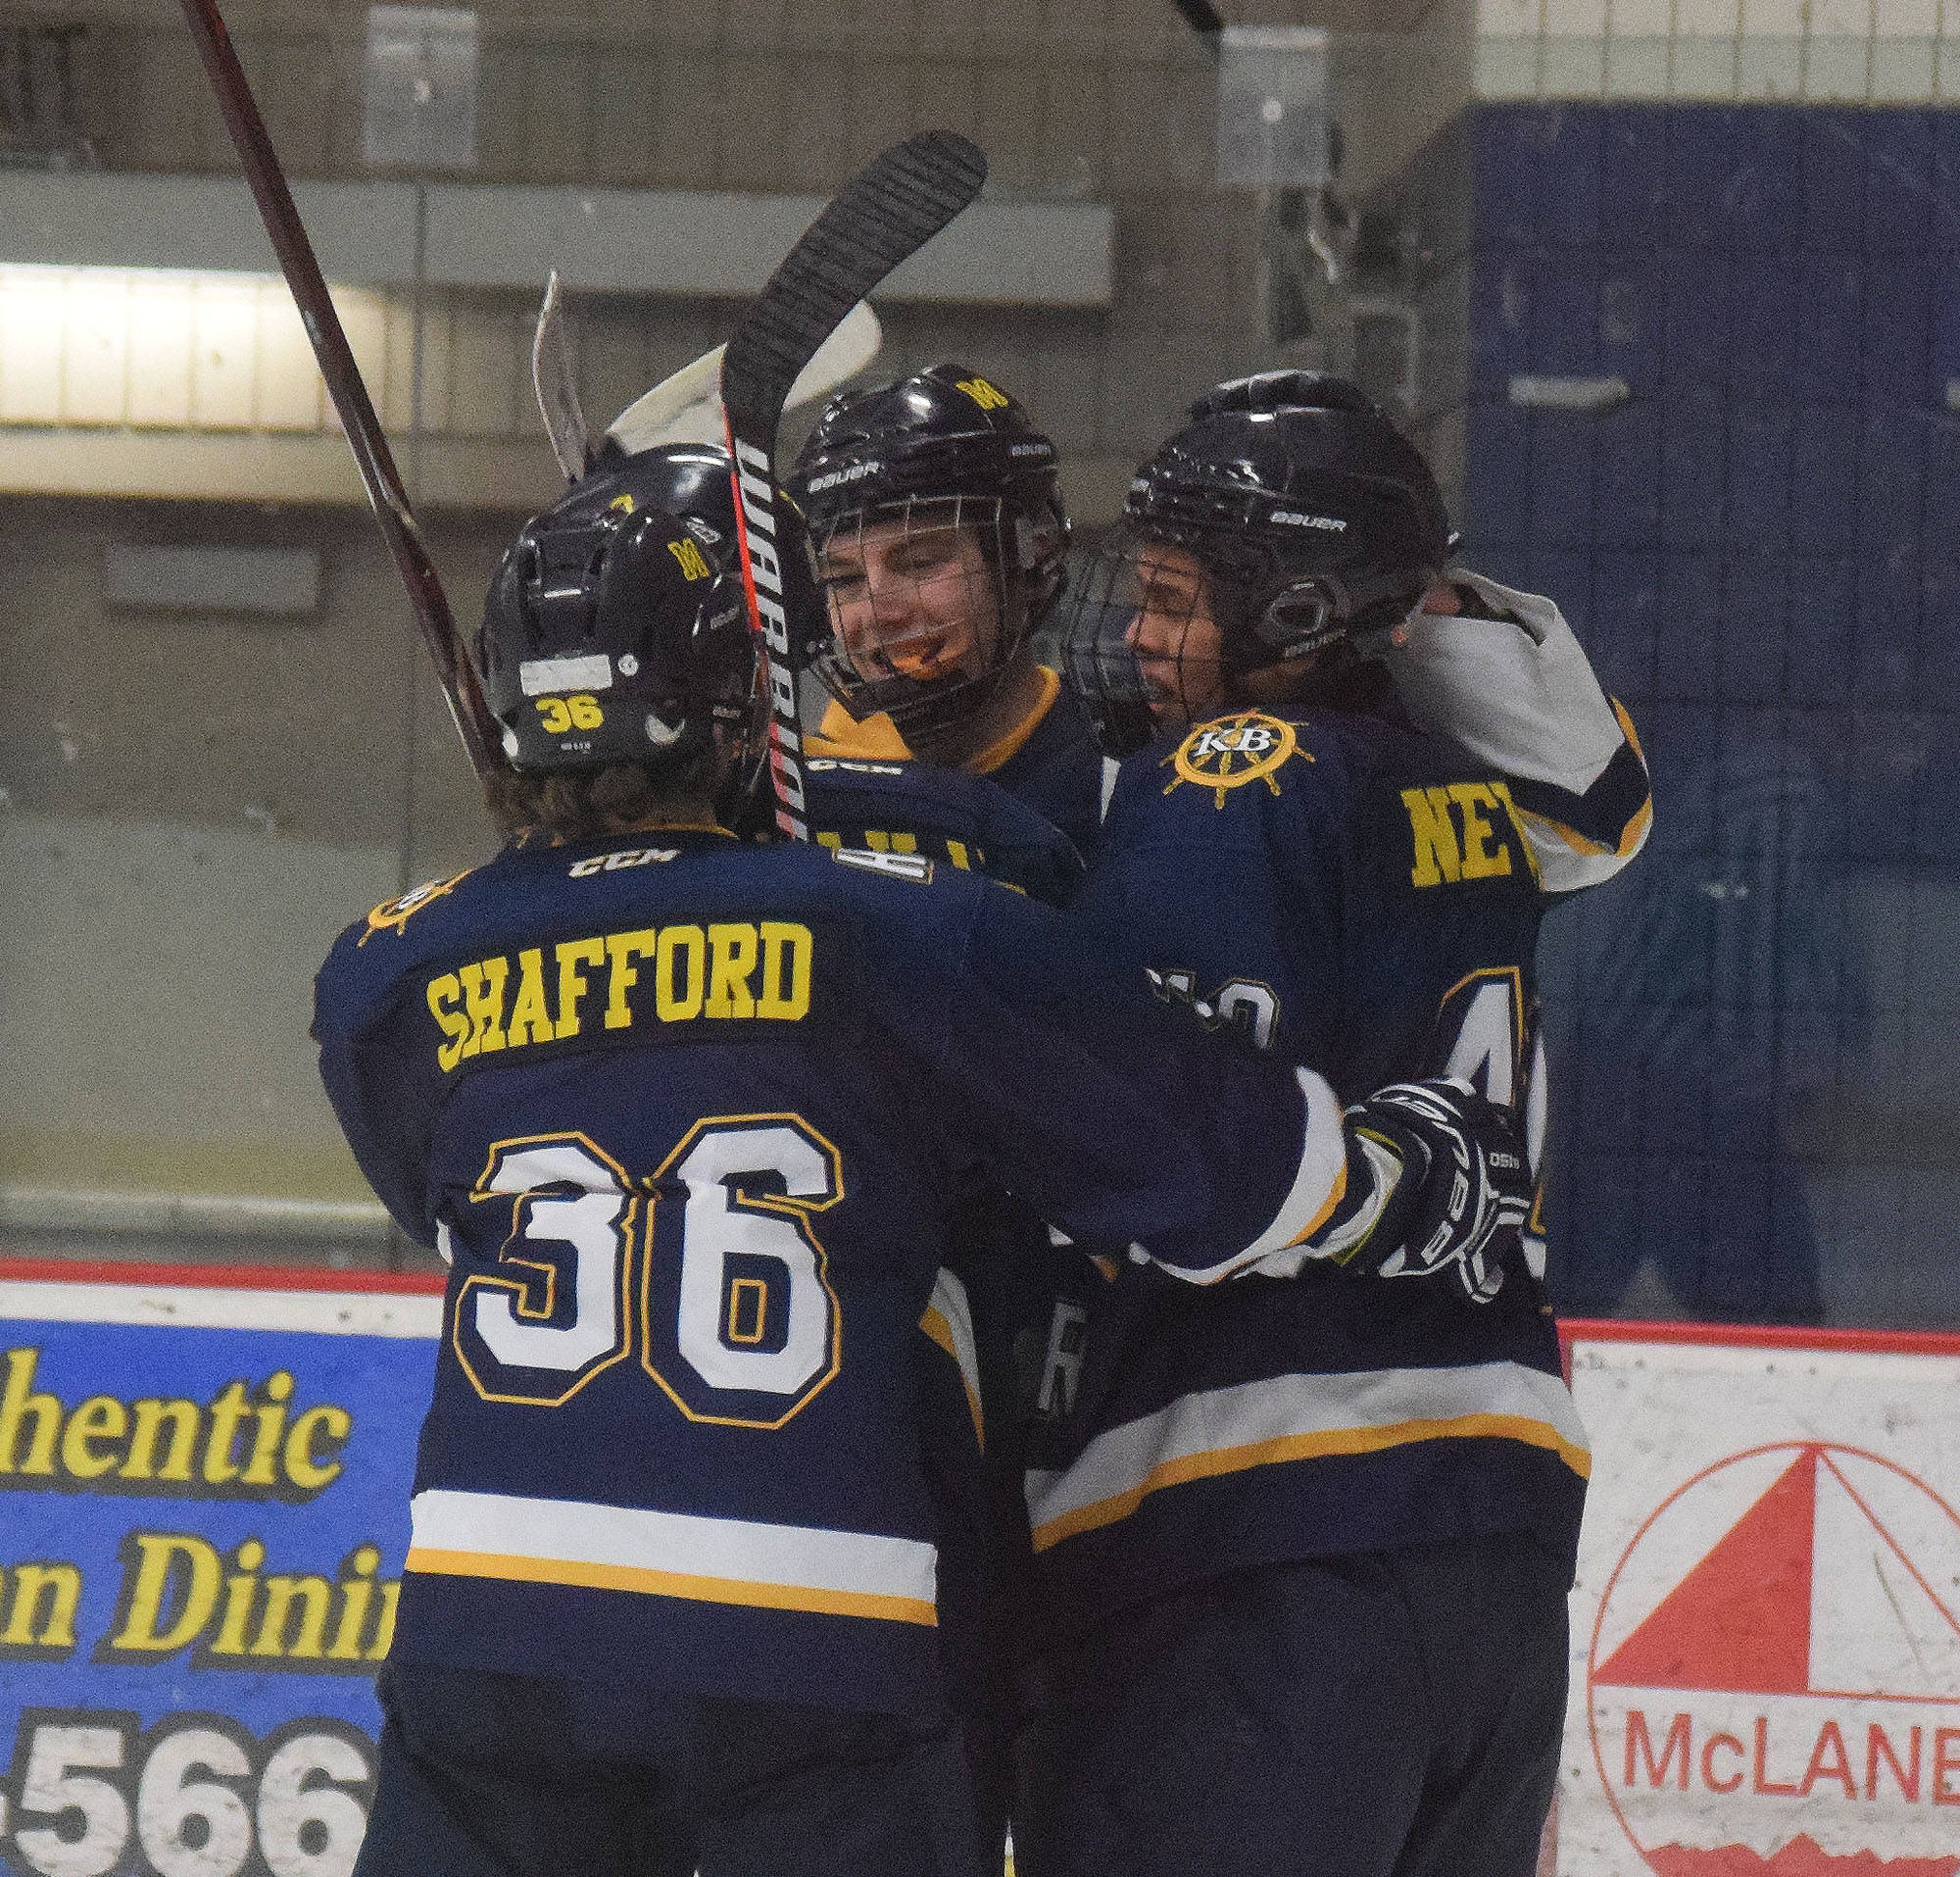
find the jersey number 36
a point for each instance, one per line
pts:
(710, 1266)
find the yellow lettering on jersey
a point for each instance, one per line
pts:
(483, 999)
(697, 972)
(672, 1004)
(1503, 794)
(733, 951)
(530, 1015)
(955, 851)
(571, 985)
(443, 993)
(1436, 856)
(1480, 863)
(883, 841)
(621, 948)
(787, 952)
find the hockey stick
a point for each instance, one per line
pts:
(887, 211)
(480, 730)
(687, 407)
(557, 387)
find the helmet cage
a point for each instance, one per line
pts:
(903, 592)
(1250, 611)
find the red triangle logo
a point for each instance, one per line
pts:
(1739, 1621)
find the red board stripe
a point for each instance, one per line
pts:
(1868, 1342)
(220, 1277)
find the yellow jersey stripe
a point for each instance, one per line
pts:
(665, 1583)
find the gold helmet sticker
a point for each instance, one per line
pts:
(987, 396)
(391, 915)
(1232, 751)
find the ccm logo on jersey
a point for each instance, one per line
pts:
(733, 969)
(1462, 831)
(619, 860)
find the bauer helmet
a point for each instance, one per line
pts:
(611, 633)
(940, 537)
(1288, 518)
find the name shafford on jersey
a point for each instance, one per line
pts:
(692, 1125)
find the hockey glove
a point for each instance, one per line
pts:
(1463, 1192)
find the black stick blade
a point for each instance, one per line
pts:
(882, 217)
(885, 214)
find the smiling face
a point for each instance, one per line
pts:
(912, 595)
(1177, 645)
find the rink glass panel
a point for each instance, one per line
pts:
(1754, 1035)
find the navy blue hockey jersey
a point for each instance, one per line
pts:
(1050, 761)
(1348, 891)
(906, 807)
(690, 1119)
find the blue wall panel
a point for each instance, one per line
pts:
(1755, 1034)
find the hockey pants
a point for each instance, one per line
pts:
(486, 1775)
(1386, 1714)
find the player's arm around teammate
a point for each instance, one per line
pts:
(685, 1113)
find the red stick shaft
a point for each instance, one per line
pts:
(478, 730)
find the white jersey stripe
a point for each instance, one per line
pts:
(948, 1323)
(1296, 1418)
(1317, 1184)
(721, 1560)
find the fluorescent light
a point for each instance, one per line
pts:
(166, 348)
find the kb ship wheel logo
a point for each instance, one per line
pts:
(1246, 747)
(1786, 1700)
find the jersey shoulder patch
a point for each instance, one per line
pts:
(393, 915)
(1235, 752)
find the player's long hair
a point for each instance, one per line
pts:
(578, 805)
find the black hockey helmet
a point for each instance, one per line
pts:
(611, 633)
(1313, 522)
(945, 448)
(1314, 514)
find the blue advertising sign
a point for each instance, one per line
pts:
(204, 1497)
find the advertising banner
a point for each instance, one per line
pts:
(204, 1491)
(1766, 1628)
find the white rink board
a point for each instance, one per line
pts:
(1766, 1625)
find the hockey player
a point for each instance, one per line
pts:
(1305, 1547)
(940, 541)
(1498, 671)
(687, 1118)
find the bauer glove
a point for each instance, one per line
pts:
(1463, 1190)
